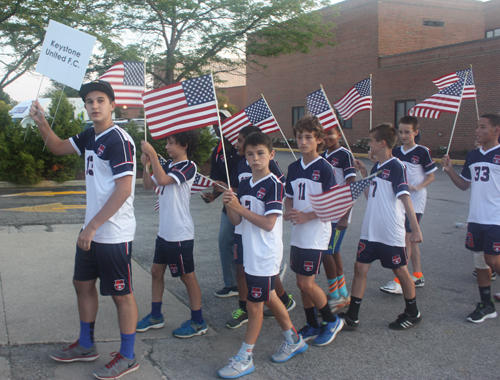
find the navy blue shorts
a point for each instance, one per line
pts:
(335, 240)
(305, 261)
(483, 238)
(389, 256)
(238, 249)
(407, 222)
(111, 263)
(178, 255)
(259, 288)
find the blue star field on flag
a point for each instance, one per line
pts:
(198, 90)
(258, 111)
(133, 73)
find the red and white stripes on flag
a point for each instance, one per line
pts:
(181, 107)
(357, 99)
(128, 80)
(333, 204)
(257, 114)
(449, 79)
(318, 105)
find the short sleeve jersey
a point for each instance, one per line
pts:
(384, 220)
(419, 164)
(263, 249)
(176, 223)
(302, 181)
(343, 164)
(482, 170)
(108, 156)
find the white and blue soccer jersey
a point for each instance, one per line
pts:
(302, 181)
(419, 164)
(263, 249)
(482, 170)
(343, 164)
(384, 220)
(176, 223)
(108, 156)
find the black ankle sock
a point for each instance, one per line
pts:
(411, 307)
(326, 314)
(485, 293)
(311, 317)
(354, 306)
(284, 298)
(243, 305)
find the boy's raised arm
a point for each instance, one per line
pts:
(162, 179)
(459, 182)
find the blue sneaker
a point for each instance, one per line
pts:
(190, 328)
(307, 332)
(150, 322)
(328, 331)
(288, 351)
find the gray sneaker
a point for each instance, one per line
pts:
(288, 351)
(237, 368)
(75, 353)
(238, 318)
(117, 367)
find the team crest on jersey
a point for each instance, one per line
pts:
(308, 266)
(386, 173)
(415, 159)
(496, 247)
(335, 161)
(261, 193)
(256, 292)
(100, 150)
(396, 259)
(173, 268)
(119, 284)
(315, 175)
(496, 159)
(361, 247)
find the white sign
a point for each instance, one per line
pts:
(65, 54)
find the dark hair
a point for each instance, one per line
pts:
(258, 138)
(312, 125)
(412, 120)
(493, 118)
(385, 132)
(245, 131)
(188, 139)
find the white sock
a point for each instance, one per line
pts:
(245, 351)
(291, 336)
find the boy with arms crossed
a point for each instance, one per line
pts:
(383, 230)
(311, 174)
(343, 166)
(174, 244)
(259, 208)
(481, 172)
(420, 169)
(104, 247)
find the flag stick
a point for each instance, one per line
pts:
(145, 121)
(54, 118)
(38, 92)
(475, 98)
(335, 115)
(289, 147)
(371, 103)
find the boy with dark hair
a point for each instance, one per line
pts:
(420, 169)
(343, 166)
(383, 231)
(310, 175)
(174, 244)
(258, 207)
(481, 173)
(104, 246)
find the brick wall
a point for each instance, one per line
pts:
(492, 14)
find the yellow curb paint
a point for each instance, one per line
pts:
(44, 193)
(51, 207)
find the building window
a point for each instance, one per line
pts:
(402, 108)
(345, 124)
(437, 23)
(297, 113)
(493, 33)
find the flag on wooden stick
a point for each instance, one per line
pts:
(318, 105)
(357, 99)
(449, 79)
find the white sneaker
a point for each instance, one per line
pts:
(237, 368)
(336, 305)
(392, 287)
(287, 351)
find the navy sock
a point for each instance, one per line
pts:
(156, 309)
(197, 316)
(354, 306)
(485, 293)
(311, 317)
(86, 339)
(127, 345)
(243, 305)
(411, 307)
(284, 298)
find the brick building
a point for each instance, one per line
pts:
(404, 45)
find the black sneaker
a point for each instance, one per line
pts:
(227, 292)
(349, 324)
(493, 275)
(405, 321)
(290, 305)
(482, 312)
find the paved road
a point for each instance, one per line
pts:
(443, 346)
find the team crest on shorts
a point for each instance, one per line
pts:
(496, 159)
(100, 150)
(308, 266)
(173, 268)
(469, 241)
(335, 161)
(315, 175)
(386, 173)
(415, 159)
(496, 247)
(261, 193)
(235, 251)
(396, 259)
(120, 284)
(361, 247)
(256, 292)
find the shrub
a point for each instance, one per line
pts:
(363, 143)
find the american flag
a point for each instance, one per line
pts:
(317, 105)
(333, 204)
(127, 80)
(448, 79)
(181, 107)
(257, 114)
(357, 99)
(446, 100)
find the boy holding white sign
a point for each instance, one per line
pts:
(104, 245)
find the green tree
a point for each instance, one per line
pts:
(223, 102)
